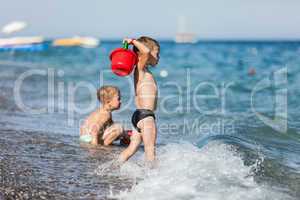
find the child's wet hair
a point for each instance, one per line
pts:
(106, 93)
(149, 42)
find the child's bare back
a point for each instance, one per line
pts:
(95, 125)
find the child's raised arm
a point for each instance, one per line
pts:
(144, 52)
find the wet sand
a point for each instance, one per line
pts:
(34, 165)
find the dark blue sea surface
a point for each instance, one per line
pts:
(227, 115)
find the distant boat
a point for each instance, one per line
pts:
(14, 26)
(185, 38)
(25, 47)
(22, 43)
(87, 42)
(182, 35)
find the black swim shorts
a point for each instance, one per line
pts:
(140, 114)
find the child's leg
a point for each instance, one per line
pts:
(112, 133)
(148, 129)
(135, 141)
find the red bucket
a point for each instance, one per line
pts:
(123, 61)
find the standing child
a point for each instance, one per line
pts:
(143, 119)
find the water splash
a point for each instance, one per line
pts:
(214, 172)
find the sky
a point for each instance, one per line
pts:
(208, 19)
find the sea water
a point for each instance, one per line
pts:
(227, 118)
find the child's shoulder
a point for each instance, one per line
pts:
(100, 114)
(106, 115)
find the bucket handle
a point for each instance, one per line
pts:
(125, 45)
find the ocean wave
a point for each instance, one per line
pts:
(214, 172)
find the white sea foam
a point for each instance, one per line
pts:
(187, 172)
